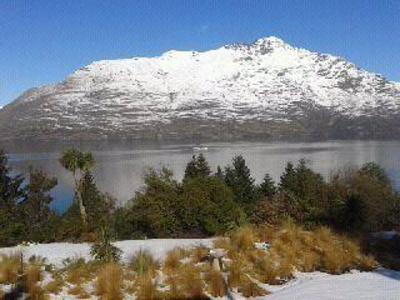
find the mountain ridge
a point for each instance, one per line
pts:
(267, 89)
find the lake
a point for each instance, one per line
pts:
(119, 169)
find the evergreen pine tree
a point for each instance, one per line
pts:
(267, 187)
(202, 166)
(219, 174)
(197, 167)
(288, 177)
(11, 192)
(239, 179)
(36, 205)
(98, 206)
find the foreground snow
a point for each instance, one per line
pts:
(55, 253)
(381, 284)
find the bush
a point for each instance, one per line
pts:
(104, 251)
(142, 262)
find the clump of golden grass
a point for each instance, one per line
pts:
(198, 254)
(191, 282)
(79, 291)
(9, 268)
(249, 288)
(79, 271)
(223, 243)
(319, 249)
(367, 263)
(146, 287)
(236, 270)
(143, 262)
(268, 270)
(55, 286)
(129, 284)
(244, 238)
(109, 282)
(33, 275)
(185, 282)
(215, 282)
(173, 258)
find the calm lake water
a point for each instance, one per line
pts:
(119, 172)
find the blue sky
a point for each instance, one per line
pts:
(41, 41)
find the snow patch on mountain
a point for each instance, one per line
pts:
(267, 80)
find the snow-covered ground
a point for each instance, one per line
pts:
(380, 284)
(55, 253)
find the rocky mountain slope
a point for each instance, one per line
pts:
(267, 89)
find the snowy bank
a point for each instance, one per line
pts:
(380, 284)
(55, 253)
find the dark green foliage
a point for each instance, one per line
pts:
(74, 160)
(40, 219)
(353, 200)
(12, 228)
(98, 206)
(200, 207)
(208, 207)
(78, 163)
(367, 201)
(220, 174)
(103, 250)
(374, 170)
(197, 167)
(267, 187)
(99, 213)
(288, 177)
(353, 213)
(303, 194)
(154, 209)
(70, 227)
(238, 178)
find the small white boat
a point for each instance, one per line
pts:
(200, 148)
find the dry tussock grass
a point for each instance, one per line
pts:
(249, 288)
(55, 286)
(79, 271)
(33, 274)
(215, 282)
(244, 238)
(237, 269)
(146, 287)
(185, 283)
(109, 282)
(79, 292)
(173, 258)
(198, 254)
(143, 262)
(9, 268)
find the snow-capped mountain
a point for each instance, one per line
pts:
(260, 90)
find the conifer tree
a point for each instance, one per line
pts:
(36, 205)
(239, 179)
(267, 187)
(219, 174)
(11, 193)
(98, 205)
(197, 167)
(288, 177)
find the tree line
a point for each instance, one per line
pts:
(203, 203)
